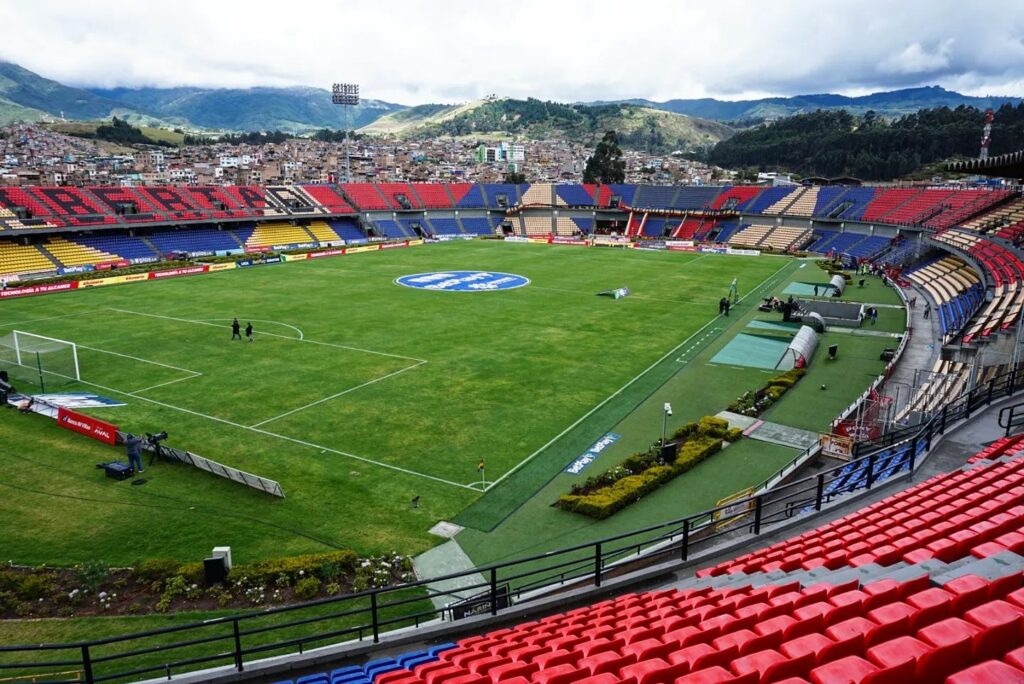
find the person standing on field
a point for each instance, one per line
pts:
(235, 327)
(248, 330)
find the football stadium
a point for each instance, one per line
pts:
(465, 417)
(590, 432)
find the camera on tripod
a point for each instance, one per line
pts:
(153, 440)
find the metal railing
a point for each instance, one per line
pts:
(235, 640)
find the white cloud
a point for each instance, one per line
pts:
(415, 51)
(916, 59)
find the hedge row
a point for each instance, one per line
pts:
(638, 475)
(326, 565)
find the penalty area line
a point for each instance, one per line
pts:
(339, 394)
(285, 438)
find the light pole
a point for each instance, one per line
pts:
(666, 412)
(346, 95)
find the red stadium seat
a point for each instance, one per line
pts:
(988, 672)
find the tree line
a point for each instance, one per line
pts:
(834, 143)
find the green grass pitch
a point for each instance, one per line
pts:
(356, 395)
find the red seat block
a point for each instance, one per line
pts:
(717, 675)
(646, 671)
(741, 642)
(932, 604)
(968, 591)
(1015, 658)
(856, 631)
(699, 656)
(603, 678)
(816, 645)
(503, 673)
(771, 665)
(988, 672)
(902, 650)
(848, 670)
(882, 592)
(649, 648)
(553, 658)
(606, 661)
(467, 679)
(560, 674)
(953, 638)
(1002, 625)
(442, 674)
(894, 619)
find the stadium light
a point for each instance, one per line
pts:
(346, 95)
(666, 412)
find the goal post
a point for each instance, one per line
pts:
(33, 358)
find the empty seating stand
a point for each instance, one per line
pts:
(954, 288)
(947, 517)
(1006, 273)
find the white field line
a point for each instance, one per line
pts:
(275, 435)
(191, 373)
(599, 406)
(136, 358)
(624, 387)
(268, 334)
(339, 394)
(301, 337)
(169, 382)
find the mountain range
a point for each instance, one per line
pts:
(26, 96)
(886, 103)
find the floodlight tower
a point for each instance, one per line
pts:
(986, 136)
(346, 95)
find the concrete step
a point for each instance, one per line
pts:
(989, 568)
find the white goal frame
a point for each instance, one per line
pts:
(16, 336)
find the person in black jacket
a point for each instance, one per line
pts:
(133, 447)
(248, 330)
(235, 327)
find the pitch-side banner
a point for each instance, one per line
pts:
(87, 425)
(37, 289)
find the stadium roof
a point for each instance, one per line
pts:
(1004, 166)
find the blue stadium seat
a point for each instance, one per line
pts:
(574, 195)
(767, 198)
(319, 678)
(347, 229)
(478, 226)
(201, 239)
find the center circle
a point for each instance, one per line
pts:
(463, 281)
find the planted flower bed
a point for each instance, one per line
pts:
(609, 492)
(161, 585)
(756, 402)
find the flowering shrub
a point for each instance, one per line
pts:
(162, 585)
(602, 495)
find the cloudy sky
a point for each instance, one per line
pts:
(417, 51)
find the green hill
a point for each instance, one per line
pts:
(892, 103)
(639, 127)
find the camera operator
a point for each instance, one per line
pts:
(133, 447)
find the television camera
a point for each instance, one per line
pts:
(153, 443)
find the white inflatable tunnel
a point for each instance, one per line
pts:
(839, 283)
(800, 350)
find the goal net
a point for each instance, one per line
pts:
(38, 360)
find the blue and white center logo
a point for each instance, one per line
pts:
(464, 281)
